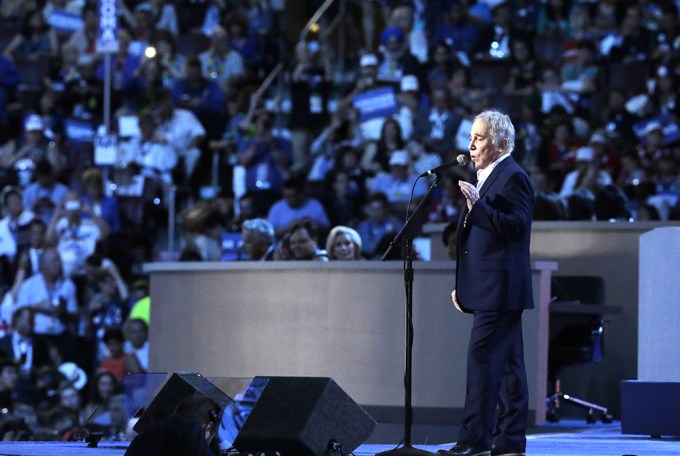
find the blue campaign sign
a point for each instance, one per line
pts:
(107, 35)
(231, 246)
(77, 130)
(376, 103)
(671, 131)
(65, 21)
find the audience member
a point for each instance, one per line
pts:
(304, 242)
(14, 226)
(75, 228)
(117, 362)
(44, 194)
(376, 224)
(343, 243)
(137, 341)
(400, 184)
(52, 297)
(258, 239)
(296, 206)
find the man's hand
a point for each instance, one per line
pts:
(454, 298)
(469, 192)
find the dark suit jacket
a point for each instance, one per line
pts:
(494, 270)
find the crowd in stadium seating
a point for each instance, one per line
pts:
(259, 146)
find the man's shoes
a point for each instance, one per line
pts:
(495, 451)
(460, 449)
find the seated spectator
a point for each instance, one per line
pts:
(181, 130)
(102, 412)
(140, 301)
(586, 175)
(34, 41)
(52, 297)
(377, 222)
(304, 242)
(266, 160)
(202, 96)
(15, 225)
(343, 243)
(376, 156)
(342, 204)
(241, 40)
(104, 305)
(19, 344)
(146, 162)
(580, 75)
(44, 194)
(436, 128)
(118, 363)
(103, 205)
(203, 228)
(310, 90)
(295, 206)
(397, 185)
(75, 228)
(612, 204)
(549, 206)
(258, 239)
(581, 205)
(137, 341)
(20, 156)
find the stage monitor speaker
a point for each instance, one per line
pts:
(304, 416)
(178, 386)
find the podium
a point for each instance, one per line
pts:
(650, 405)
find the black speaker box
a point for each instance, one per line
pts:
(178, 386)
(304, 416)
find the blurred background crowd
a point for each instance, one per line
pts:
(226, 130)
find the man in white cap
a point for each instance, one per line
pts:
(21, 154)
(586, 175)
(398, 182)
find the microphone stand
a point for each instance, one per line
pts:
(408, 449)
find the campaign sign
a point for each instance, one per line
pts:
(65, 21)
(231, 246)
(105, 150)
(107, 35)
(376, 103)
(671, 131)
(78, 131)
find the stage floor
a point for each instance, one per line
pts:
(563, 439)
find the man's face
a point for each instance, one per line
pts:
(253, 245)
(482, 150)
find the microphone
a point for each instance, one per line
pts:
(462, 160)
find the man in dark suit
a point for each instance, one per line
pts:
(493, 282)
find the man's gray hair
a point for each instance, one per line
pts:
(261, 227)
(500, 128)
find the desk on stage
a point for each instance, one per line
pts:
(343, 320)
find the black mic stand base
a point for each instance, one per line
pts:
(406, 450)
